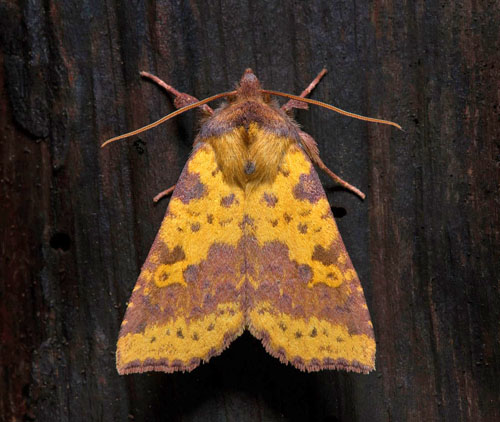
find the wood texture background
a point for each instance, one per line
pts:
(77, 221)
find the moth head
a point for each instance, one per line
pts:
(249, 86)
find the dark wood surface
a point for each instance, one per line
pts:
(77, 221)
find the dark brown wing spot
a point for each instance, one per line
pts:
(308, 188)
(302, 228)
(298, 334)
(190, 187)
(225, 222)
(314, 332)
(227, 201)
(170, 257)
(282, 326)
(270, 199)
(325, 256)
(195, 227)
(196, 337)
(163, 275)
(179, 333)
(210, 218)
(287, 217)
(210, 327)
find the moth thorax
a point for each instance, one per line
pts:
(249, 156)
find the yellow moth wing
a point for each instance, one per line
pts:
(307, 303)
(185, 307)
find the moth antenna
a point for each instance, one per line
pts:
(330, 107)
(169, 116)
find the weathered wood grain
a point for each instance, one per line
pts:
(78, 221)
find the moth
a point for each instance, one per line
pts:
(248, 242)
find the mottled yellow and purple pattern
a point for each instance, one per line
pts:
(271, 261)
(248, 242)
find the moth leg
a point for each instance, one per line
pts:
(163, 193)
(181, 99)
(311, 148)
(298, 104)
